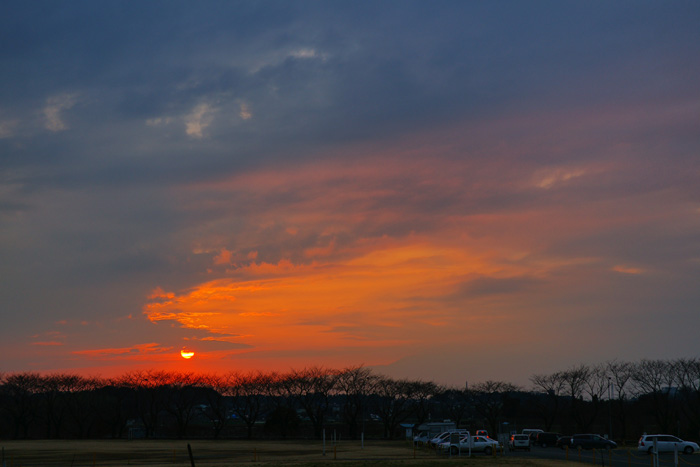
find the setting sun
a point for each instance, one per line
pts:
(186, 354)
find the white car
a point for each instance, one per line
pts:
(666, 443)
(443, 437)
(421, 438)
(478, 444)
(519, 442)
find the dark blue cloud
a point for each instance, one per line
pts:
(380, 68)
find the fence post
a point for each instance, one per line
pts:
(675, 456)
(189, 451)
(656, 452)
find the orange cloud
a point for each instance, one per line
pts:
(159, 293)
(548, 178)
(224, 257)
(136, 352)
(381, 254)
(628, 270)
(381, 299)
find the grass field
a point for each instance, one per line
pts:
(206, 453)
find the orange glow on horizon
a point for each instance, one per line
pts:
(326, 274)
(364, 306)
(370, 262)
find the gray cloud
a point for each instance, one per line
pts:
(485, 286)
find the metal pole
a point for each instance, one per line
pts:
(189, 450)
(610, 407)
(675, 456)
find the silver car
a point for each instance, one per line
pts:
(666, 443)
(477, 444)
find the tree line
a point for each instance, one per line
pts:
(621, 399)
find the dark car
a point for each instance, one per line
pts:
(547, 439)
(588, 441)
(563, 442)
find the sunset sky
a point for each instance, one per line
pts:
(449, 191)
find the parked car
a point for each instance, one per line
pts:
(519, 442)
(666, 443)
(588, 441)
(443, 437)
(564, 442)
(448, 446)
(421, 438)
(478, 444)
(546, 439)
(532, 433)
(439, 438)
(481, 433)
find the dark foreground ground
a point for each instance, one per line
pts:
(173, 453)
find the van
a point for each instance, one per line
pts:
(519, 442)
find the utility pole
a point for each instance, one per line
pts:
(610, 393)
